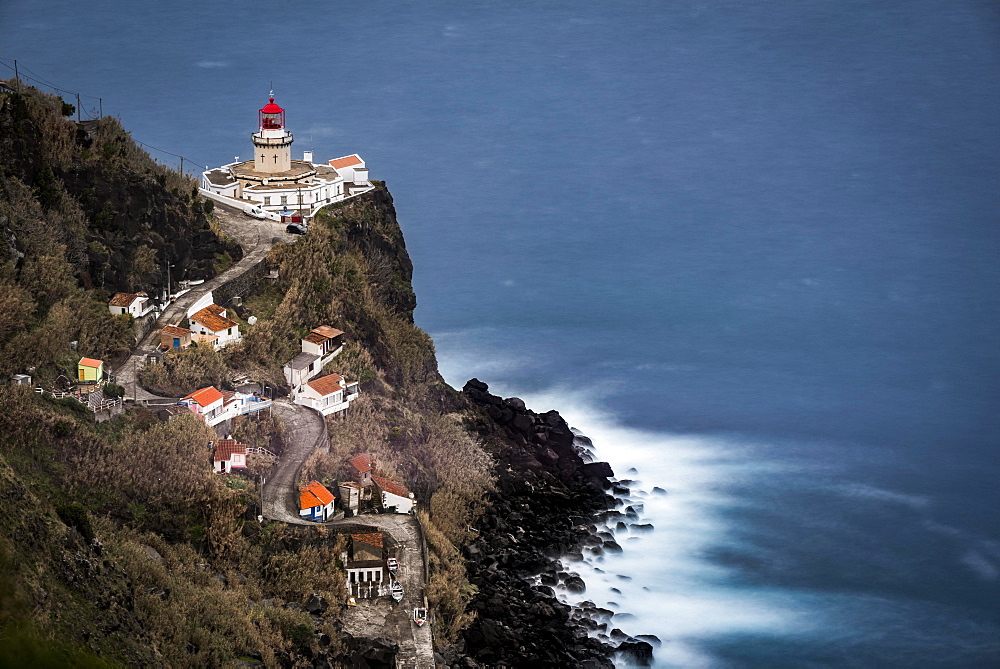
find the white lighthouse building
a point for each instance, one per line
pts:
(285, 189)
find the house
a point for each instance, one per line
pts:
(315, 502)
(206, 403)
(362, 466)
(211, 324)
(394, 495)
(174, 337)
(89, 371)
(228, 455)
(172, 411)
(329, 394)
(319, 347)
(350, 496)
(365, 564)
(21, 380)
(132, 304)
(352, 169)
(216, 406)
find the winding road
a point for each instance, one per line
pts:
(305, 431)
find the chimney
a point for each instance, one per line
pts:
(307, 156)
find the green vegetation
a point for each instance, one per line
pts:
(125, 543)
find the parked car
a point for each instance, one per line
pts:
(253, 210)
(295, 229)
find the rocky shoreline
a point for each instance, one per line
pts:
(550, 498)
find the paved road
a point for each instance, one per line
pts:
(305, 430)
(256, 237)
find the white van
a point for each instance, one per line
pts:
(253, 210)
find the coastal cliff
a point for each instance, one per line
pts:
(118, 542)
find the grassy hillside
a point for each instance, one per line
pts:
(117, 542)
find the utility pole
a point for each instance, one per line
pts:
(17, 78)
(182, 165)
(77, 107)
(100, 103)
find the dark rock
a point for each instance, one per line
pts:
(575, 584)
(515, 403)
(612, 547)
(657, 490)
(637, 653)
(641, 527)
(597, 470)
(316, 604)
(649, 638)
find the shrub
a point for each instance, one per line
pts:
(75, 516)
(208, 206)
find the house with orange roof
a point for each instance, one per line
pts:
(329, 394)
(315, 502)
(228, 455)
(211, 324)
(395, 496)
(131, 304)
(352, 169)
(89, 371)
(319, 347)
(175, 338)
(206, 403)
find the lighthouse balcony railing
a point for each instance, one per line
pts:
(260, 140)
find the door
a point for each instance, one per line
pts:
(177, 342)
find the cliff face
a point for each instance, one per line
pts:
(118, 539)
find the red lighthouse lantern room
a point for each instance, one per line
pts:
(272, 117)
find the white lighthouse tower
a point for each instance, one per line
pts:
(272, 143)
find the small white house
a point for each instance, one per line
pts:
(315, 502)
(206, 403)
(131, 304)
(365, 565)
(328, 394)
(211, 322)
(352, 169)
(228, 456)
(319, 347)
(394, 495)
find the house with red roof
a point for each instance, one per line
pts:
(329, 394)
(228, 455)
(363, 467)
(175, 338)
(395, 496)
(211, 324)
(315, 502)
(355, 174)
(365, 565)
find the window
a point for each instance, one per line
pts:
(284, 199)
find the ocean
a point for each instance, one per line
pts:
(750, 249)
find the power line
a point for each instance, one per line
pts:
(90, 112)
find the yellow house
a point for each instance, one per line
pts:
(89, 370)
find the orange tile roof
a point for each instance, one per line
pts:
(211, 319)
(205, 396)
(328, 384)
(313, 494)
(90, 362)
(226, 448)
(362, 462)
(346, 161)
(390, 486)
(174, 330)
(371, 538)
(327, 331)
(122, 299)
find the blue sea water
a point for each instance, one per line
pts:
(751, 249)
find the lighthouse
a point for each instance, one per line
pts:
(272, 143)
(275, 186)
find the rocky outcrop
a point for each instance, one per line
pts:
(542, 510)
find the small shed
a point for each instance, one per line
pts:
(350, 496)
(362, 466)
(89, 370)
(21, 380)
(174, 337)
(228, 456)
